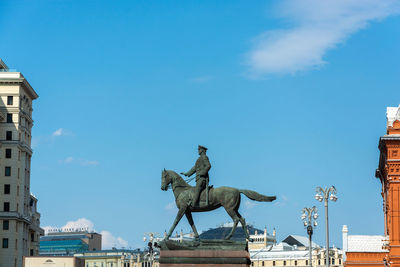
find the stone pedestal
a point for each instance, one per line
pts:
(204, 253)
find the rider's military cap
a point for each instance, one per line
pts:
(202, 147)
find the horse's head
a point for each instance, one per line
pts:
(165, 180)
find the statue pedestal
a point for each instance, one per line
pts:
(204, 253)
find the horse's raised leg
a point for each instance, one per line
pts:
(177, 219)
(190, 219)
(235, 219)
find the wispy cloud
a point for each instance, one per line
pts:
(49, 138)
(80, 161)
(68, 160)
(59, 132)
(282, 201)
(108, 239)
(170, 206)
(202, 79)
(318, 27)
(249, 204)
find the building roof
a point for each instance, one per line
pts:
(279, 251)
(365, 243)
(224, 230)
(300, 241)
(63, 237)
(3, 65)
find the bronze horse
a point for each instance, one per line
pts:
(228, 197)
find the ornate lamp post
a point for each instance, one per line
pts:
(325, 194)
(309, 218)
(150, 245)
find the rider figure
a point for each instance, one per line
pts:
(201, 169)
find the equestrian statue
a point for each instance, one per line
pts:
(203, 197)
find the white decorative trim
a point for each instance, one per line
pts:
(392, 114)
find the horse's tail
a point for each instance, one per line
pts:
(253, 195)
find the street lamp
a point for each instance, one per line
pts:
(309, 217)
(150, 245)
(325, 194)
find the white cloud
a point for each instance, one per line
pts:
(68, 160)
(107, 239)
(82, 162)
(249, 204)
(59, 132)
(282, 201)
(80, 223)
(170, 206)
(318, 27)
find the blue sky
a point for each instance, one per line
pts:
(287, 96)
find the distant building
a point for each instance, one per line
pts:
(69, 243)
(19, 219)
(363, 250)
(40, 261)
(115, 258)
(262, 239)
(388, 173)
(297, 254)
(259, 236)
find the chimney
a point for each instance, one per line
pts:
(345, 230)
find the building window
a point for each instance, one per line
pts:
(16, 243)
(6, 206)
(319, 262)
(273, 263)
(8, 153)
(284, 263)
(340, 261)
(7, 171)
(7, 189)
(252, 263)
(10, 99)
(9, 135)
(6, 224)
(306, 262)
(9, 118)
(32, 237)
(31, 253)
(5, 242)
(295, 263)
(263, 264)
(333, 261)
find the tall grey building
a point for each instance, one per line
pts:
(19, 220)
